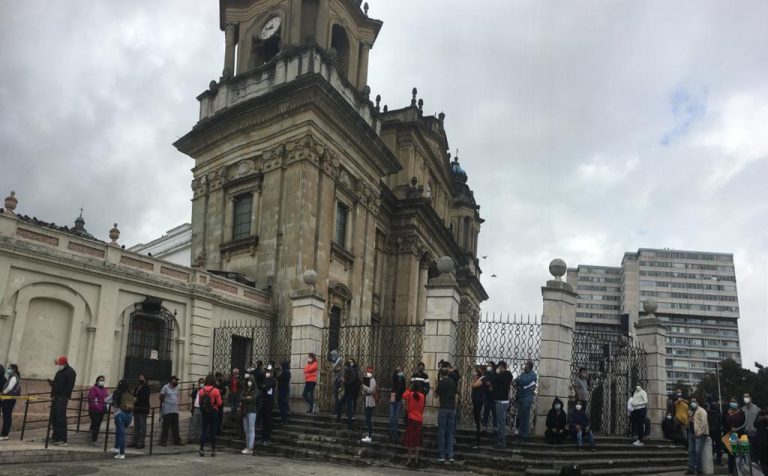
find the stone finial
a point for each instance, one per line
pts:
(365, 8)
(10, 203)
(445, 265)
(378, 102)
(650, 306)
(557, 268)
(441, 117)
(414, 92)
(366, 92)
(414, 181)
(386, 108)
(310, 277)
(421, 105)
(114, 234)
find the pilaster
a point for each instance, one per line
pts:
(652, 336)
(307, 320)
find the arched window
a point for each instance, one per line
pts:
(150, 339)
(309, 11)
(340, 42)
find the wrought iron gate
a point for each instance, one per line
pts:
(614, 365)
(241, 345)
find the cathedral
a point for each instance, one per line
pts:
(296, 167)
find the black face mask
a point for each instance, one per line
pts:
(141, 381)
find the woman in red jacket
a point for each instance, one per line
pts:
(310, 381)
(209, 399)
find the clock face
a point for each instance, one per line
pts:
(270, 27)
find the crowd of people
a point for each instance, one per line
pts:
(692, 422)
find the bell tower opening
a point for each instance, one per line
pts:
(340, 43)
(309, 13)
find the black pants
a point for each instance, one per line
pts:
(282, 405)
(7, 407)
(96, 419)
(59, 418)
(266, 419)
(208, 432)
(489, 409)
(170, 422)
(552, 437)
(477, 410)
(139, 429)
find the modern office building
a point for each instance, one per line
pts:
(696, 295)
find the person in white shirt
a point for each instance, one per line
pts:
(639, 405)
(195, 423)
(12, 388)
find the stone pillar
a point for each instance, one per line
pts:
(230, 37)
(558, 320)
(652, 335)
(307, 321)
(440, 328)
(362, 66)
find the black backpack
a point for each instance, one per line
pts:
(206, 403)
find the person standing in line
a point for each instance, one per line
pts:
(369, 392)
(698, 431)
(210, 402)
(122, 400)
(11, 387)
(581, 387)
(169, 409)
(310, 382)
(267, 388)
(413, 405)
(395, 402)
(501, 383)
(526, 388)
(222, 386)
(250, 399)
(478, 397)
(639, 404)
(761, 426)
(750, 414)
(97, 397)
(284, 390)
(233, 391)
(579, 426)
(140, 412)
(735, 420)
(422, 377)
(681, 413)
(61, 391)
(715, 423)
(446, 392)
(337, 370)
(351, 382)
(195, 422)
(489, 405)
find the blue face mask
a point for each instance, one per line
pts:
(558, 407)
(733, 405)
(694, 405)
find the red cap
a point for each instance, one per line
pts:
(369, 369)
(62, 360)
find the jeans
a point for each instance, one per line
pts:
(59, 418)
(170, 424)
(580, 438)
(96, 419)
(445, 428)
(369, 420)
(139, 429)
(695, 446)
(524, 416)
(309, 395)
(637, 417)
(210, 425)
(7, 406)
(249, 425)
(489, 408)
(501, 423)
(234, 403)
(394, 415)
(122, 421)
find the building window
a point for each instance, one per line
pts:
(241, 222)
(342, 214)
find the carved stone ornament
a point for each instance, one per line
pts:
(10, 203)
(306, 148)
(411, 244)
(114, 235)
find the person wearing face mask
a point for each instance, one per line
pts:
(169, 401)
(715, 421)
(97, 396)
(761, 425)
(351, 389)
(489, 406)
(395, 402)
(11, 387)
(681, 412)
(669, 428)
(501, 384)
(698, 431)
(446, 392)
(556, 423)
(639, 405)
(526, 386)
(478, 398)
(581, 387)
(122, 401)
(750, 414)
(284, 390)
(310, 382)
(267, 389)
(421, 375)
(210, 401)
(579, 426)
(250, 398)
(140, 412)
(195, 422)
(61, 391)
(369, 392)
(735, 420)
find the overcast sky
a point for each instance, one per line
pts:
(587, 128)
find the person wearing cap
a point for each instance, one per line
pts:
(61, 390)
(267, 387)
(369, 390)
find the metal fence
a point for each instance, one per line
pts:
(240, 345)
(382, 346)
(514, 339)
(614, 363)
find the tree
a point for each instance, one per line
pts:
(735, 381)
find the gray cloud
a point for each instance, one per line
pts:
(587, 128)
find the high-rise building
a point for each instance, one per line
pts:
(696, 296)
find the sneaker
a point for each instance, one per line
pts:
(638, 443)
(441, 460)
(3, 438)
(247, 451)
(119, 456)
(213, 454)
(60, 443)
(451, 460)
(201, 453)
(366, 439)
(115, 450)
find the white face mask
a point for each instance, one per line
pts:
(101, 383)
(669, 417)
(250, 383)
(489, 369)
(637, 388)
(269, 374)
(578, 407)
(369, 375)
(747, 400)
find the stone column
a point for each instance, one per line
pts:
(230, 38)
(362, 66)
(440, 328)
(558, 320)
(307, 321)
(652, 335)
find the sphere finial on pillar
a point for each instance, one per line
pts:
(557, 268)
(650, 306)
(10, 203)
(114, 234)
(310, 277)
(445, 265)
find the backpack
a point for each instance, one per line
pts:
(206, 402)
(125, 402)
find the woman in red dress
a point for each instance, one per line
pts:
(414, 401)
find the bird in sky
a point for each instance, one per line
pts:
(484, 257)
(494, 276)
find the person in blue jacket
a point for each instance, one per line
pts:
(526, 386)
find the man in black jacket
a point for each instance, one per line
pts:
(421, 376)
(61, 390)
(501, 383)
(396, 402)
(140, 412)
